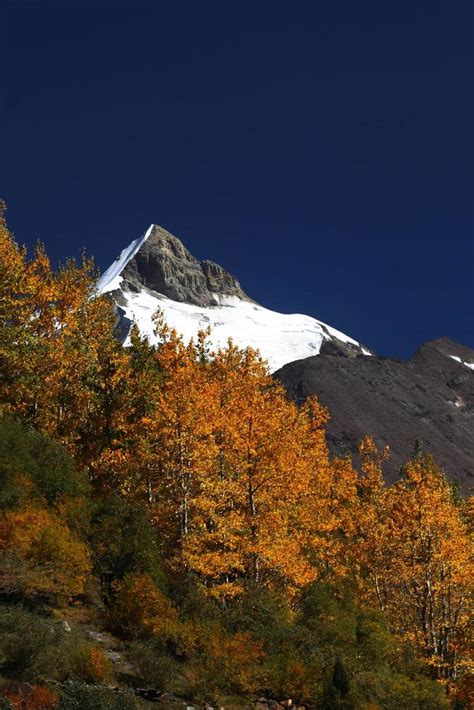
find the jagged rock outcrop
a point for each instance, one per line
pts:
(164, 265)
(429, 398)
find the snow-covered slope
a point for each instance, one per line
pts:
(111, 279)
(467, 364)
(279, 337)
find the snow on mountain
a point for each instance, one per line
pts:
(158, 260)
(458, 359)
(111, 279)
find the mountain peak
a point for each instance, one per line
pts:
(158, 272)
(442, 348)
(160, 262)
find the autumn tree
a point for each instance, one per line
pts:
(141, 608)
(370, 549)
(15, 314)
(432, 567)
(180, 436)
(416, 558)
(236, 467)
(61, 364)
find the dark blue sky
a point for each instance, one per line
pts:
(321, 151)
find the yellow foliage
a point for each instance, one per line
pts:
(237, 659)
(416, 560)
(41, 556)
(241, 475)
(54, 338)
(217, 660)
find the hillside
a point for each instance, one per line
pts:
(174, 529)
(429, 398)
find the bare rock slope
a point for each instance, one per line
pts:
(429, 398)
(164, 265)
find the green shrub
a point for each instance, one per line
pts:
(90, 664)
(31, 465)
(154, 666)
(31, 648)
(75, 695)
(124, 541)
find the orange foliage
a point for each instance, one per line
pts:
(416, 560)
(432, 563)
(54, 335)
(241, 474)
(32, 697)
(235, 659)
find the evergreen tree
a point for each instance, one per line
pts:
(340, 679)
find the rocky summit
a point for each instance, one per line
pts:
(163, 265)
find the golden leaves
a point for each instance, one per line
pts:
(41, 557)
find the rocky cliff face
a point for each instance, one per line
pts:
(429, 398)
(164, 265)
